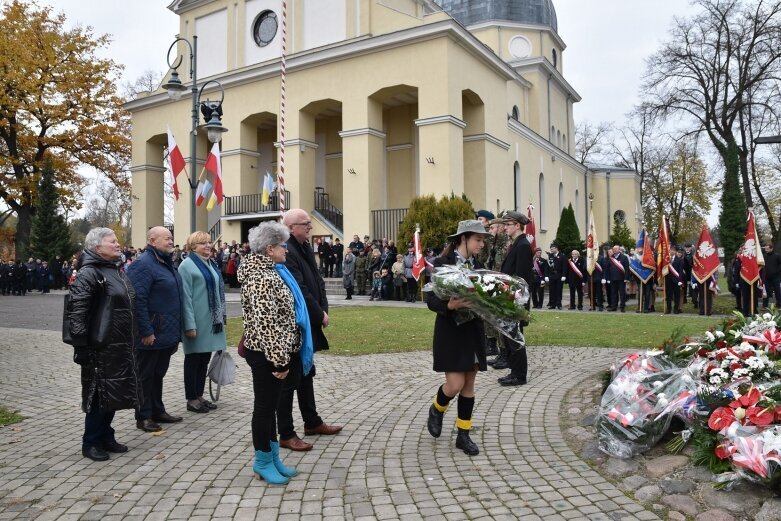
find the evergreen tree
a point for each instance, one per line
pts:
(621, 235)
(568, 233)
(437, 219)
(50, 234)
(732, 218)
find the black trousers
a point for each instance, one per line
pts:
(305, 387)
(152, 367)
(555, 288)
(617, 294)
(195, 367)
(518, 361)
(773, 287)
(267, 389)
(704, 298)
(599, 295)
(645, 294)
(672, 294)
(97, 426)
(745, 297)
(412, 289)
(538, 294)
(574, 289)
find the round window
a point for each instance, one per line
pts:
(265, 28)
(520, 47)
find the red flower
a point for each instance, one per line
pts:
(724, 450)
(777, 412)
(702, 352)
(747, 400)
(721, 418)
(760, 416)
(721, 344)
(721, 355)
(736, 365)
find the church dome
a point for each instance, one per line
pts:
(468, 12)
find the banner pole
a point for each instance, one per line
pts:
(664, 292)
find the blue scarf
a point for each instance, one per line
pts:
(302, 317)
(216, 298)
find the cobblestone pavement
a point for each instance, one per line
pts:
(384, 465)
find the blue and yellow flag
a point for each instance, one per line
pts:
(636, 265)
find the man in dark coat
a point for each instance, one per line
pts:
(158, 309)
(772, 275)
(577, 276)
(518, 262)
(20, 278)
(5, 277)
(599, 283)
(617, 274)
(688, 266)
(539, 266)
(555, 276)
(301, 263)
(673, 282)
(338, 255)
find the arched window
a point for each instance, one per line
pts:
(555, 57)
(516, 114)
(561, 197)
(564, 143)
(558, 138)
(542, 200)
(516, 184)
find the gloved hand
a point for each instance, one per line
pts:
(83, 355)
(547, 279)
(563, 279)
(694, 285)
(582, 283)
(680, 283)
(604, 281)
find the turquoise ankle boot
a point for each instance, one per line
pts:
(288, 472)
(265, 469)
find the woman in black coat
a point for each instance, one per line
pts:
(108, 369)
(459, 340)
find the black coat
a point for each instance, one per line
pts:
(572, 277)
(108, 375)
(519, 259)
(613, 272)
(301, 263)
(455, 346)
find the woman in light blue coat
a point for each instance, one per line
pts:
(203, 318)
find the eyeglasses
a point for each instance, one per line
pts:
(283, 245)
(203, 243)
(307, 223)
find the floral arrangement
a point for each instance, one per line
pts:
(497, 298)
(725, 386)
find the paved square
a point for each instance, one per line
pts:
(384, 465)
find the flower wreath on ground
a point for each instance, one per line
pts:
(725, 388)
(497, 298)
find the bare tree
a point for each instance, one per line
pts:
(707, 71)
(591, 141)
(149, 81)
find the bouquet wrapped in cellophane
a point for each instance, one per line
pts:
(497, 298)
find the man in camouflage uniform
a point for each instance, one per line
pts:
(495, 249)
(361, 267)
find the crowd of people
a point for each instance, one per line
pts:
(19, 278)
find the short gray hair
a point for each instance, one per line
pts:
(95, 236)
(267, 234)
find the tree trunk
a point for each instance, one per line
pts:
(24, 223)
(732, 219)
(743, 156)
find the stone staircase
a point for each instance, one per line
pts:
(333, 286)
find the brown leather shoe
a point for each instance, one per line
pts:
(296, 443)
(148, 425)
(324, 428)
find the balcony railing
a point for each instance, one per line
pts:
(326, 209)
(385, 223)
(252, 203)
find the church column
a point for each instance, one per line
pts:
(300, 162)
(363, 161)
(441, 154)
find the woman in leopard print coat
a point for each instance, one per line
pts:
(271, 338)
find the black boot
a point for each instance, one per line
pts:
(465, 443)
(435, 421)
(490, 347)
(502, 361)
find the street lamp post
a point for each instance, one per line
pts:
(212, 110)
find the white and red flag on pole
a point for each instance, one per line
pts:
(750, 255)
(214, 166)
(706, 258)
(176, 160)
(531, 228)
(420, 262)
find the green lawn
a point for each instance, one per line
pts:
(367, 330)
(8, 417)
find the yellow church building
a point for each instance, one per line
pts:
(385, 100)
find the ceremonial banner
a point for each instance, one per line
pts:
(750, 254)
(706, 258)
(213, 165)
(663, 249)
(175, 159)
(420, 261)
(592, 246)
(268, 187)
(636, 265)
(531, 228)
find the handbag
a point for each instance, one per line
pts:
(222, 368)
(66, 322)
(100, 320)
(243, 346)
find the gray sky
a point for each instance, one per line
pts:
(607, 42)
